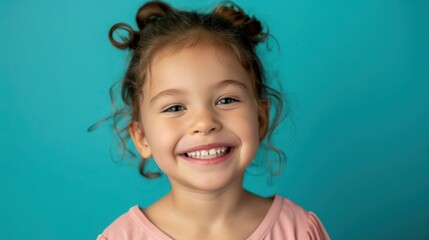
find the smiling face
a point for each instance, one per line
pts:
(199, 118)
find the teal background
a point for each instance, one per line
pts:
(356, 74)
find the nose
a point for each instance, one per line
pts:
(205, 122)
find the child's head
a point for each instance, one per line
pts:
(167, 36)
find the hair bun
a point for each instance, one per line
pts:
(251, 25)
(126, 42)
(151, 12)
(146, 14)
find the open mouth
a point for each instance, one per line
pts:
(209, 153)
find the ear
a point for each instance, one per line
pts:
(139, 139)
(263, 117)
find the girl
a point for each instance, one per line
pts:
(200, 107)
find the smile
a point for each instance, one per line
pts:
(209, 153)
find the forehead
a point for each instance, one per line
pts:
(204, 60)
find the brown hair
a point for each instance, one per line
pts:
(161, 26)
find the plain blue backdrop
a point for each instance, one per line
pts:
(356, 75)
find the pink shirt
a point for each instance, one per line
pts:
(285, 220)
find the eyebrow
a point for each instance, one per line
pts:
(233, 82)
(175, 91)
(168, 92)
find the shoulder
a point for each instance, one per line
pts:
(288, 220)
(131, 225)
(292, 213)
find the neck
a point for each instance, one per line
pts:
(207, 207)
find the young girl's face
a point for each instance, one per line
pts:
(199, 118)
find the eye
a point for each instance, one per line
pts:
(227, 100)
(174, 108)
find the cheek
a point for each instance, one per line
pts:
(253, 134)
(250, 140)
(162, 138)
(248, 130)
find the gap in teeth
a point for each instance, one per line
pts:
(208, 154)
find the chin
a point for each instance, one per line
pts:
(215, 183)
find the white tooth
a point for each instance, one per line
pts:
(208, 154)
